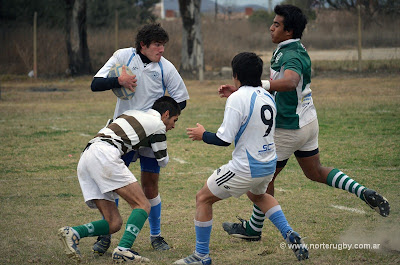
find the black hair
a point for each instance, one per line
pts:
(247, 67)
(149, 33)
(167, 103)
(294, 19)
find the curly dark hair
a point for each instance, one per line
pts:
(149, 33)
(294, 19)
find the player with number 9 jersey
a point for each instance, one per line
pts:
(249, 122)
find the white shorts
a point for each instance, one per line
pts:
(101, 171)
(223, 183)
(289, 141)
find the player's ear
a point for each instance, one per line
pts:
(165, 115)
(289, 33)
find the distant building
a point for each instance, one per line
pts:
(248, 11)
(169, 9)
(170, 13)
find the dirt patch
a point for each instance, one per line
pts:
(48, 89)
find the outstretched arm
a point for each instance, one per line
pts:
(200, 134)
(225, 91)
(196, 134)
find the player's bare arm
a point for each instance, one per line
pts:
(196, 134)
(289, 82)
(225, 91)
(127, 81)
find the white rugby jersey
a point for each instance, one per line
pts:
(152, 81)
(249, 120)
(134, 129)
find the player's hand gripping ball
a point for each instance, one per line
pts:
(121, 92)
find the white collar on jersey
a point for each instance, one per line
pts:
(154, 112)
(284, 43)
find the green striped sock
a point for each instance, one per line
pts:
(133, 226)
(96, 228)
(255, 225)
(338, 179)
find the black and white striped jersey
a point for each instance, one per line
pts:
(134, 129)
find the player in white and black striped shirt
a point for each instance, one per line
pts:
(103, 176)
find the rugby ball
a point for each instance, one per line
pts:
(121, 92)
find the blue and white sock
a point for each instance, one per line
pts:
(155, 216)
(203, 234)
(276, 216)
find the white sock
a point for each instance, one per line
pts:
(123, 249)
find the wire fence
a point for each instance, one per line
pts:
(222, 39)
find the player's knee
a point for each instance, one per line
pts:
(145, 205)
(317, 176)
(115, 224)
(150, 191)
(201, 198)
(150, 188)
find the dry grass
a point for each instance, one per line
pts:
(43, 134)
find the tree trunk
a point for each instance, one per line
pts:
(192, 61)
(76, 38)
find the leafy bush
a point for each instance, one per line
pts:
(261, 17)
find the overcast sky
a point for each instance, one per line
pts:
(247, 2)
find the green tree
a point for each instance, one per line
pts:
(306, 5)
(261, 17)
(100, 13)
(131, 13)
(370, 9)
(51, 13)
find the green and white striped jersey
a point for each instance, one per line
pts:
(295, 108)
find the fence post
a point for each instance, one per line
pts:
(35, 45)
(359, 38)
(201, 74)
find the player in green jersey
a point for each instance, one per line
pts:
(296, 122)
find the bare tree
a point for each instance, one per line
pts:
(76, 38)
(192, 61)
(370, 9)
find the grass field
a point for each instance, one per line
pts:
(45, 124)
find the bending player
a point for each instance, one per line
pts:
(103, 175)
